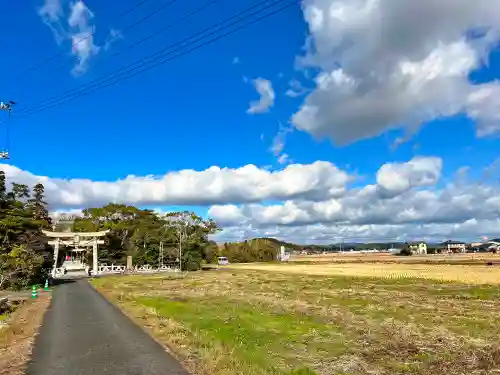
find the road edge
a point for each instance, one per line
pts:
(146, 330)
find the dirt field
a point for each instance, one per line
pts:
(254, 322)
(355, 257)
(17, 334)
(470, 274)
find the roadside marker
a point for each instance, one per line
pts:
(33, 292)
(46, 286)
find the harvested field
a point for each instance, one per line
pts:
(254, 322)
(469, 274)
(17, 333)
(356, 257)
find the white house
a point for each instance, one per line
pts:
(419, 249)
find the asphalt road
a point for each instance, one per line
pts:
(84, 334)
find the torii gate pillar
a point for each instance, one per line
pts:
(94, 256)
(56, 255)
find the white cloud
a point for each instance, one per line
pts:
(396, 178)
(51, 10)
(284, 159)
(279, 139)
(396, 63)
(483, 105)
(279, 142)
(296, 89)
(314, 202)
(211, 186)
(75, 23)
(469, 230)
(404, 203)
(265, 89)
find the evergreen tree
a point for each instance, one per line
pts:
(22, 246)
(38, 206)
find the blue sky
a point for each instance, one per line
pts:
(148, 120)
(191, 113)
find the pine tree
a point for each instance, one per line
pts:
(3, 194)
(39, 206)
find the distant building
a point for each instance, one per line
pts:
(418, 249)
(394, 251)
(476, 244)
(283, 255)
(454, 246)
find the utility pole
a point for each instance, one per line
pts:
(180, 228)
(4, 154)
(160, 259)
(179, 223)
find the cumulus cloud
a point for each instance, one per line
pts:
(410, 206)
(74, 23)
(385, 64)
(469, 230)
(483, 106)
(307, 203)
(396, 178)
(265, 89)
(318, 180)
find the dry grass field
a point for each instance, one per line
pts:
(17, 334)
(251, 322)
(468, 274)
(356, 257)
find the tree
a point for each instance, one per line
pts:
(38, 206)
(406, 251)
(3, 186)
(256, 250)
(191, 233)
(19, 267)
(211, 252)
(23, 248)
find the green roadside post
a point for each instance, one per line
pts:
(33, 292)
(46, 286)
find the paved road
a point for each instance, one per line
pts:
(84, 334)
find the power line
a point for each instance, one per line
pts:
(163, 29)
(98, 85)
(47, 60)
(146, 38)
(141, 61)
(129, 27)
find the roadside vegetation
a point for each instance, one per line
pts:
(18, 329)
(23, 251)
(254, 322)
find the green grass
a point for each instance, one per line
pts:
(249, 322)
(254, 337)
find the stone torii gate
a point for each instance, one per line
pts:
(77, 240)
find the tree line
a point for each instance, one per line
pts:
(255, 250)
(24, 252)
